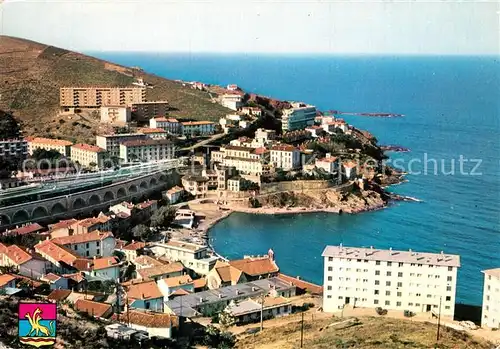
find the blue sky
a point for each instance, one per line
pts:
(321, 26)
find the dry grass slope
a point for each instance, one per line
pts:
(32, 73)
(367, 333)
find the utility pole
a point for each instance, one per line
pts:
(439, 319)
(302, 332)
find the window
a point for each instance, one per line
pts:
(330, 269)
(398, 304)
(330, 259)
(329, 296)
(389, 273)
(377, 282)
(377, 272)
(330, 278)
(341, 297)
(76, 247)
(399, 294)
(87, 245)
(410, 304)
(388, 283)
(449, 278)
(98, 251)
(87, 253)
(97, 243)
(448, 288)
(389, 264)
(400, 264)
(377, 263)
(387, 293)
(447, 307)
(329, 288)
(417, 304)
(419, 265)
(387, 303)
(359, 260)
(375, 301)
(418, 294)
(358, 270)
(431, 266)
(400, 275)
(448, 298)
(400, 284)
(376, 292)
(450, 268)
(429, 296)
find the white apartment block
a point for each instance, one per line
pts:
(329, 163)
(117, 114)
(285, 157)
(88, 155)
(147, 150)
(154, 133)
(93, 244)
(13, 148)
(245, 160)
(398, 280)
(232, 101)
(192, 256)
(62, 146)
(112, 142)
(197, 128)
(298, 117)
(491, 299)
(263, 136)
(170, 125)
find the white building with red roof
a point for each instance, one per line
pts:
(93, 244)
(171, 125)
(285, 157)
(26, 261)
(329, 163)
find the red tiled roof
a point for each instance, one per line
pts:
(148, 319)
(228, 273)
(180, 292)
(18, 255)
(88, 222)
(88, 147)
(30, 228)
(56, 252)
(105, 262)
(51, 277)
(147, 262)
(5, 279)
(58, 295)
(200, 283)
(120, 244)
(146, 204)
(330, 159)
(143, 142)
(82, 238)
(349, 164)
(134, 246)
(142, 290)
(3, 248)
(147, 273)
(260, 151)
(77, 277)
(164, 119)
(285, 147)
(63, 224)
(195, 123)
(50, 141)
(255, 266)
(92, 308)
(305, 285)
(150, 130)
(178, 280)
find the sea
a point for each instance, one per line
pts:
(451, 107)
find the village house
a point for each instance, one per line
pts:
(62, 146)
(77, 227)
(7, 281)
(111, 142)
(350, 169)
(314, 130)
(174, 194)
(61, 258)
(250, 310)
(192, 256)
(176, 286)
(33, 228)
(197, 128)
(491, 299)
(94, 309)
(55, 281)
(155, 324)
(285, 157)
(131, 250)
(329, 163)
(242, 270)
(264, 137)
(26, 262)
(106, 268)
(254, 111)
(195, 185)
(89, 155)
(232, 101)
(144, 295)
(93, 244)
(170, 125)
(159, 272)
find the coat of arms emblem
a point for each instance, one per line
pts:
(37, 323)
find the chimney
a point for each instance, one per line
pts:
(328, 155)
(95, 257)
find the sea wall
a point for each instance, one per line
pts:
(267, 188)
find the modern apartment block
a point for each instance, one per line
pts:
(197, 128)
(150, 109)
(491, 299)
(147, 150)
(399, 280)
(62, 146)
(112, 142)
(88, 155)
(94, 97)
(13, 148)
(298, 117)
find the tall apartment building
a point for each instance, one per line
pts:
(62, 146)
(285, 157)
(94, 97)
(147, 150)
(112, 142)
(149, 109)
(399, 280)
(13, 148)
(491, 299)
(298, 117)
(88, 155)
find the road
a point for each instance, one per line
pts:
(204, 142)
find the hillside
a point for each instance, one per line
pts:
(362, 333)
(32, 73)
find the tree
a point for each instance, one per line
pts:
(9, 127)
(141, 232)
(163, 217)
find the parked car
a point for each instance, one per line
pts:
(468, 325)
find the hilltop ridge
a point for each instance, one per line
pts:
(32, 73)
